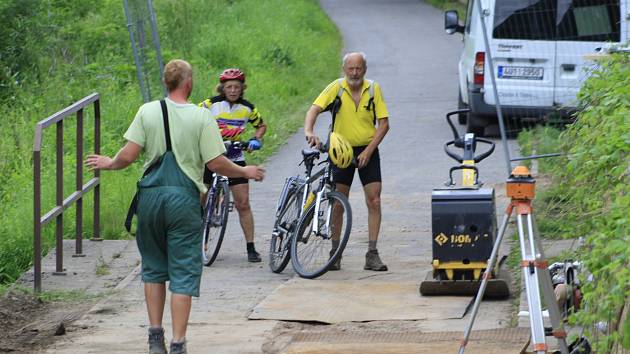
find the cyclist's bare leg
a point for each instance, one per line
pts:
(338, 212)
(240, 192)
(373, 200)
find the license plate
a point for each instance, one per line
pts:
(520, 72)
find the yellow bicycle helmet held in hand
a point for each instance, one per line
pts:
(339, 151)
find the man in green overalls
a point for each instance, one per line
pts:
(178, 139)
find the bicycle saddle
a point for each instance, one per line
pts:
(310, 153)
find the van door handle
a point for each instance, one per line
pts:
(568, 67)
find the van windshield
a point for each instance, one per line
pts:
(581, 20)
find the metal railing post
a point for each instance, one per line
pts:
(97, 173)
(59, 199)
(37, 214)
(78, 251)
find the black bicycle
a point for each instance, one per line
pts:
(294, 199)
(327, 217)
(216, 209)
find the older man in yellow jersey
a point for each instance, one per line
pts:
(363, 120)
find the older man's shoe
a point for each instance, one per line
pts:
(373, 262)
(336, 265)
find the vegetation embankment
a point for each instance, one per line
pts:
(589, 196)
(55, 52)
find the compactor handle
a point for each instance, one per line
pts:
(450, 122)
(486, 153)
(462, 167)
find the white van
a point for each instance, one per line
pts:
(538, 49)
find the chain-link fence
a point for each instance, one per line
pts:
(145, 42)
(525, 60)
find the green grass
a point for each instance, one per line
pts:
(101, 268)
(289, 49)
(72, 296)
(450, 5)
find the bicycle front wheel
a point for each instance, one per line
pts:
(311, 249)
(284, 227)
(215, 219)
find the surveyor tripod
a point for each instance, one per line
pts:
(520, 187)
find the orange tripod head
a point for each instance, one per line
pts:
(521, 185)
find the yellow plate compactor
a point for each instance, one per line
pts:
(464, 226)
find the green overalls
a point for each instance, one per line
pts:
(169, 224)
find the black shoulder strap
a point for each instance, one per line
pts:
(371, 106)
(336, 104)
(167, 132)
(134, 201)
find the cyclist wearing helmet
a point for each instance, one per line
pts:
(232, 113)
(363, 121)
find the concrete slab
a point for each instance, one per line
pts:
(103, 266)
(507, 340)
(330, 301)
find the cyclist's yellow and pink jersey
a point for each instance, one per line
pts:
(232, 119)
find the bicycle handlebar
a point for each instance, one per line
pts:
(239, 145)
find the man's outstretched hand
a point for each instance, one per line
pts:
(256, 173)
(98, 162)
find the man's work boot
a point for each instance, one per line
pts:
(373, 262)
(156, 341)
(253, 256)
(178, 348)
(336, 265)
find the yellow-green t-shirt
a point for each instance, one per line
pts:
(356, 124)
(195, 137)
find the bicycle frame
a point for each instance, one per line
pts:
(325, 185)
(296, 182)
(216, 178)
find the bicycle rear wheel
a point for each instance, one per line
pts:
(286, 222)
(215, 219)
(310, 249)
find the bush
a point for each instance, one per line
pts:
(59, 51)
(590, 196)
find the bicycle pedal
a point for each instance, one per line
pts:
(231, 207)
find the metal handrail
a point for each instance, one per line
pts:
(76, 197)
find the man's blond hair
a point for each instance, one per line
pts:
(176, 72)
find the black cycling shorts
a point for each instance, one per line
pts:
(207, 176)
(368, 174)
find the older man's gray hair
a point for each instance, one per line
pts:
(345, 58)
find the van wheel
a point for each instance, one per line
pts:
(475, 124)
(461, 118)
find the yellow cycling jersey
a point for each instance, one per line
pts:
(232, 119)
(355, 123)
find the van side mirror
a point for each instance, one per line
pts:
(451, 22)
